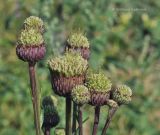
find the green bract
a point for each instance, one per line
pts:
(80, 94)
(30, 37)
(49, 110)
(122, 94)
(34, 22)
(98, 82)
(71, 64)
(77, 39)
(49, 100)
(48, 105)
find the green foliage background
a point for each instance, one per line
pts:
(124, 37)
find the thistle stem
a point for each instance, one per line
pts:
(68, 116)
(47, 131)
(80, 122)
(34, 94)
(111, 112)
(96, 120)
(74, 126)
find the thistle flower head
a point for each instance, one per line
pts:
(50, 114)
(80, 94)
(58, 131)
(98, 82)
(77, 39)
(122, 94)
(34, 22)
(30, 37)
(71, 64)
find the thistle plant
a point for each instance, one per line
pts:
(99, 86)
(121, 94)
(30, 48)
(69, 78)
(67, 71)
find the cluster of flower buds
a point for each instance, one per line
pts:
(30, 44)
(69, 77)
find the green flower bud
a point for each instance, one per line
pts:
(50, 114)
(80, 94)
(59, 131)
(30, 37)
(77, 39)
(34, 22)
(122, 94)
(69, 65)
(98, 82)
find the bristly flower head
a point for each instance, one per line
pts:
(80, 95)
(69, 65)
(77, 39)
(34, 22)
(30, 37)
(122, 94)
(98, 82)
(50, 114)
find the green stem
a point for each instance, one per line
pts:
(68, 116)
(80, 122)
(111, 112)
(47, 131)
(96, 120)
(35, 98)
(74, 119)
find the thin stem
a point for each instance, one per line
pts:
(80, 122)
(47, 131)
(96, 120)
(68, 115)
(111, 112)
(74, 126)
(34, 94)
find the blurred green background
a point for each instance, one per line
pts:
(125, 41)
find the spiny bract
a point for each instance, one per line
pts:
(69, 65)
(98, 82)
(34, 22)
(80, 94)
(49, 100)
(122, 94)
(30, 37)
(77, 39)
